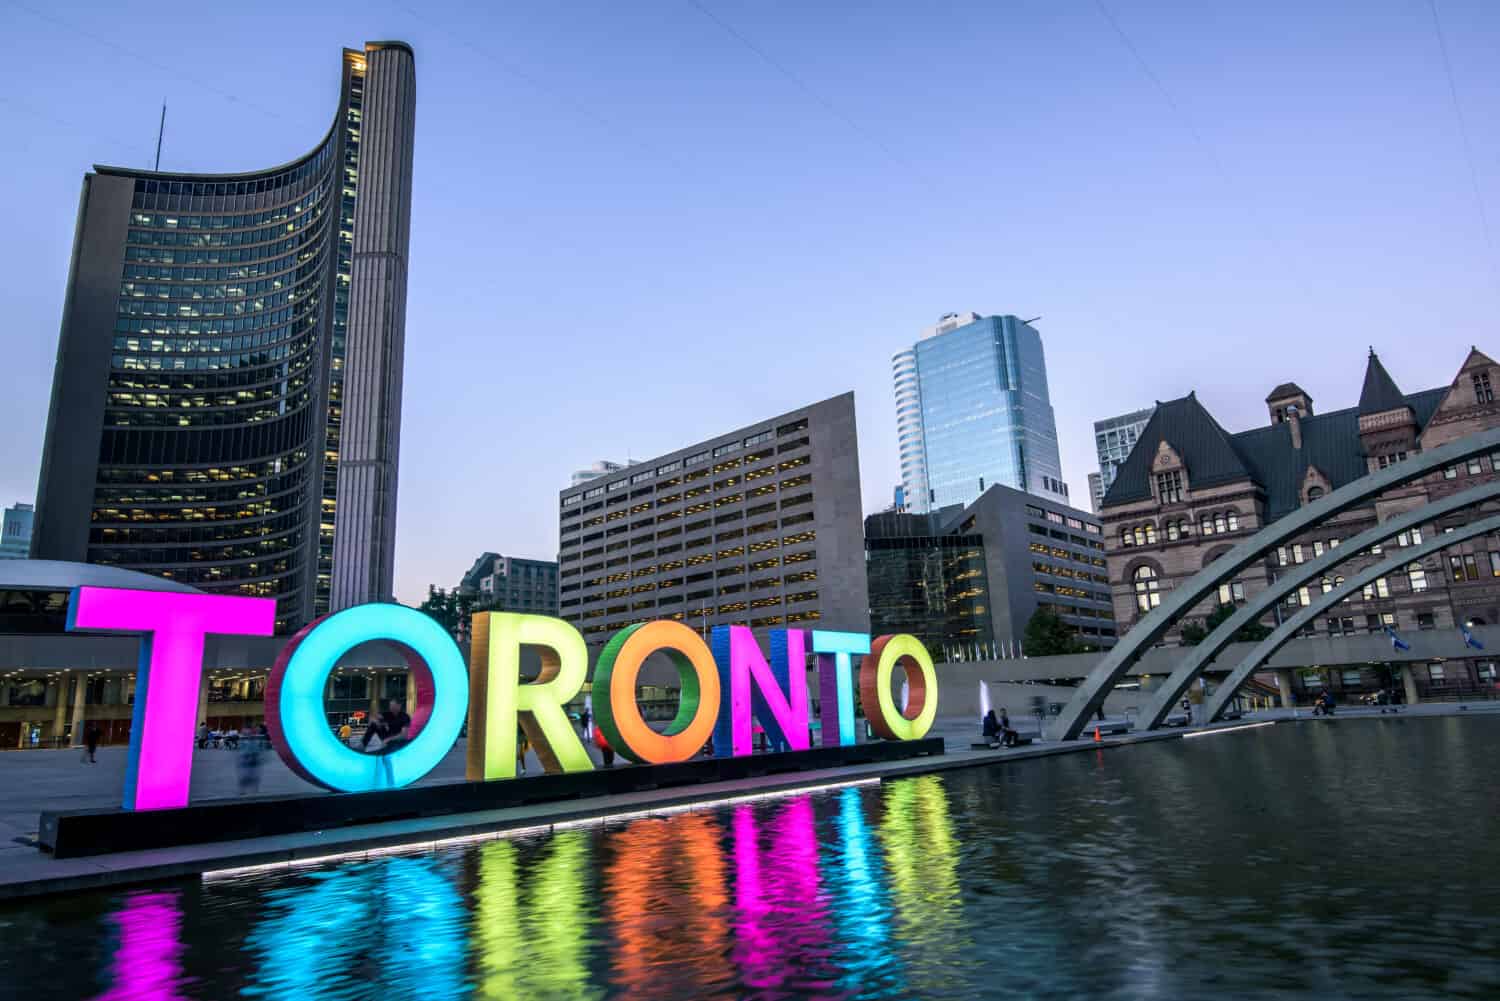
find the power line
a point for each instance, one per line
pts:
(156, 64)
(1463, 134)
(1283, 256)
(493, 59)
(807, 89)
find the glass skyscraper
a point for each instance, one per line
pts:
(972, 410)
(1114, 437)
(226, 404)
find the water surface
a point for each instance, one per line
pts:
(1331, 859)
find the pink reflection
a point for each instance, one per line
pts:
(781, 928)
(147, 962)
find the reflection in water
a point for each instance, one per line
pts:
(1271, 864)
(922, 859)
(148, 958)
(389, 928)
(532, 940)
(664, 900)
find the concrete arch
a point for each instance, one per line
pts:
(1288, 629)
(1102, 680)
(1165, 697)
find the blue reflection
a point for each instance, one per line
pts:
(861, 908)
(390, 928)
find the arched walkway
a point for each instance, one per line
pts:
(1181, 600)
(1192, 665)
(1288, 629)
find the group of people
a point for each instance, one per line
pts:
(998, 731)
(1323, 704)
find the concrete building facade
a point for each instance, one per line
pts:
(1190, 491)
(226, 402)
(760, 526)
(973, 410)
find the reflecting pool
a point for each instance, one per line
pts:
(1331, 859)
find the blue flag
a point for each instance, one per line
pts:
(1397, 643)
(1470, 639)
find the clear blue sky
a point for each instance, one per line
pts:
(632, 230)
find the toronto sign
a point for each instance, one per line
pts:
(727, 687)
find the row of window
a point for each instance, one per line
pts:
(1173, 529)
(642, 476)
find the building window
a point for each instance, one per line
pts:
(1390, 460)
(1172, 531)
(1313, 493)
(1220, 523)
(1416, 576)
(1232, 594)
(1281, 559)
(1486, 671)
(1482, 391)
(1234, 521)
(1147, 589)
(1206, 525)
(1326, 585)
(1351, 679)
(1297, 552)
(1495, 564)
(1150, 534)
(1450, 472)
(1127, 538)
(1412, 537)
(1317, 549)
(1425, 621)
(1474, 468)
(1169, 487)
(1378, 588)
(1436, 673)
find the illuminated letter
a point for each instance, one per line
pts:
(614, 692)
(160, 763)
(498, 700)
(294, 698)
(774, 693)
(887, 720)
(836, 682)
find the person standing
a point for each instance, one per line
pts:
(249, 762)
(522, 746)
(90, 743)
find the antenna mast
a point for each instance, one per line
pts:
(159, 130)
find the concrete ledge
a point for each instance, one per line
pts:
(76, 833)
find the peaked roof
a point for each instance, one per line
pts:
(1262, 455)
(1286, 389)
(1380, 392)
(1205, 447)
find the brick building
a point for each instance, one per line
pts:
(1190, 491)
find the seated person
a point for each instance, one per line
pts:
(1008, 736)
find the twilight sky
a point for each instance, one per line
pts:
(637, 224)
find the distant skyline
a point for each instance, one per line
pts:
(625, 217)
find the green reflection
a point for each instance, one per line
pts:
(921, 856)
(532, 938)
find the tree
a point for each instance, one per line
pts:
(450, 609)
(1048, 636)
(1193, 633)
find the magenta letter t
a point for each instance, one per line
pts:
(159, 768)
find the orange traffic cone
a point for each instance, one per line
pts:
(1097, 739)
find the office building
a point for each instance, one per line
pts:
(1190, 491)
(15, 532)
(226, 404)
(973, 411)
(967, 579)
(512, 584)
(760, 526)
(1114, 437)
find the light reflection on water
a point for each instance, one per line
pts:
(1352, 859)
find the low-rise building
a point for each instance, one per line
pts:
(966, 580)
(512, 584)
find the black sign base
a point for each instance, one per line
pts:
(75, 833)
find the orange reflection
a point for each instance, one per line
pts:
(653, 864)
